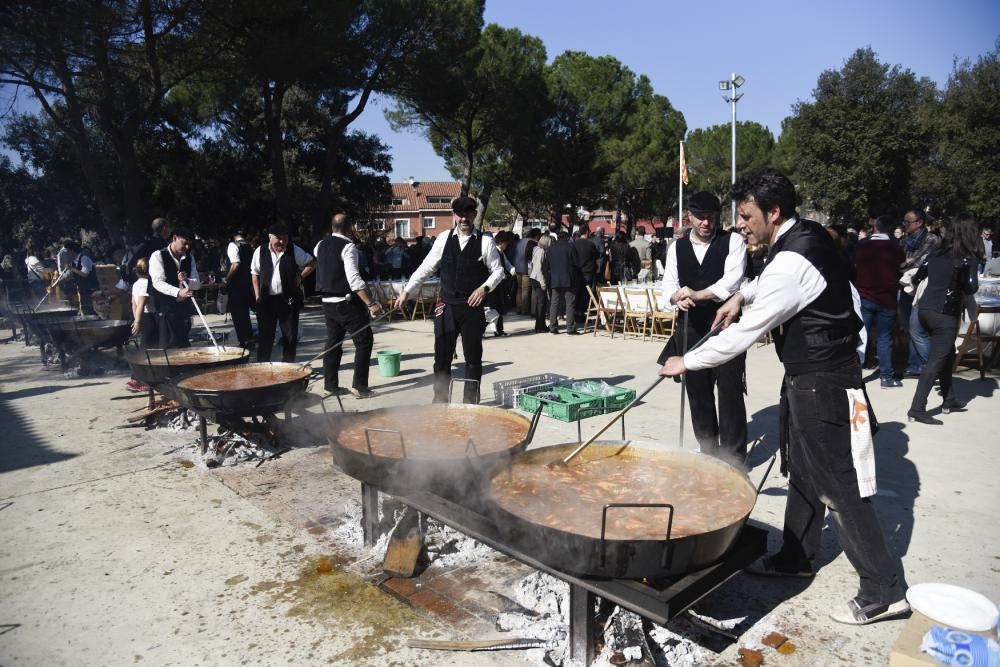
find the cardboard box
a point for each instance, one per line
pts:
(906, 650)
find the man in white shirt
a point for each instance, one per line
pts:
(702, 271)
(348, 306)
(804, 296)
(79, 275)
(277, 278)
(174, 278)
(470, 268)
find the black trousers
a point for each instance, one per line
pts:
(538, 305)
(272, 311)
(469, 323)
(724, 433)
(149, 331)
(942, 330)
(822, 477)
(174, 329)
(342, 318)
(562, 300)
(239, 310)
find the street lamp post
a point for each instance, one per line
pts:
(730, 95)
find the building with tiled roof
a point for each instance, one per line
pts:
(417, 208)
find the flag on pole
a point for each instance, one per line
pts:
(684, 166)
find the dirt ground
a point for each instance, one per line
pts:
(115, 551)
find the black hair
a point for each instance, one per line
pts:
(767, 187)
(884, 224)
(962, 238)
(72, 245)
(183, 233)
(919, 212)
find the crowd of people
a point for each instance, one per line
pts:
(836, 298)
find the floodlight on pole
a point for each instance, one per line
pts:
(735, 81)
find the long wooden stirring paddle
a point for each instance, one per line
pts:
(619, 415)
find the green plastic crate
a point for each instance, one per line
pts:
(616, 401)
(565, 410)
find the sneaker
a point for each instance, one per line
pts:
(862, 612)
(362, 393)
(890, 383)
(952, 405)
(923, 418)
(769, 566)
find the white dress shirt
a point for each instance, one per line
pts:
(140, 289)
(735, 267)
(490, 257)
(301, 259)
(158, 274)
(350, 255)
(86, 265)
(787, 285)
(233, 252)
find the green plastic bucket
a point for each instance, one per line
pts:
(388, 363)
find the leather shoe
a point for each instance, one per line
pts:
(923, 418)
(574, 332)
(768, 566)
(952, 405)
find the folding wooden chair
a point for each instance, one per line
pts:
(663, 319)
(593, 311)
(424, 301)
(609, 308)
(635, 310)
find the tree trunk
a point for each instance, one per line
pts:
(273, 100)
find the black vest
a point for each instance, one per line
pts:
(462, 271)
(331, 278)
(824, 335)
(287, 269)
(90, 280)
(697, 276)
(164, 303)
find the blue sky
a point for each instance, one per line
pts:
(685, 48)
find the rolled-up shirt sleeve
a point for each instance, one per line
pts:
(158, 276)
(350, 257)
(193, 279)
(491, 258)
(786, 287)
(735, 268)
(430, 263)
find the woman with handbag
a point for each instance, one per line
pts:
(950, 272)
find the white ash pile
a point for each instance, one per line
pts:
(173, 417)
(232, 448)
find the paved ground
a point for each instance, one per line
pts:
(115, 552)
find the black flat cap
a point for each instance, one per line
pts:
(464, 205)
(704, 202)
(278, 229)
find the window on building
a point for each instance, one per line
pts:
(429, 222)
(378, 224)
(399, 202)
(402, 228)
(438, 200)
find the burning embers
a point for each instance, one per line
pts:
(240, 441)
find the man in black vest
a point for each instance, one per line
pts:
(347, 305)
(470, 269)
(80, 276)
(277, 278)
(173, 280)
(239, 287)
(702, 271)
(804, 297)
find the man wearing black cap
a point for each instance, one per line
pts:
(239, 287)
(702, 271)
(804, 297)
(470, 269)
(347, 306)
(173, 280)
(277, 285)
